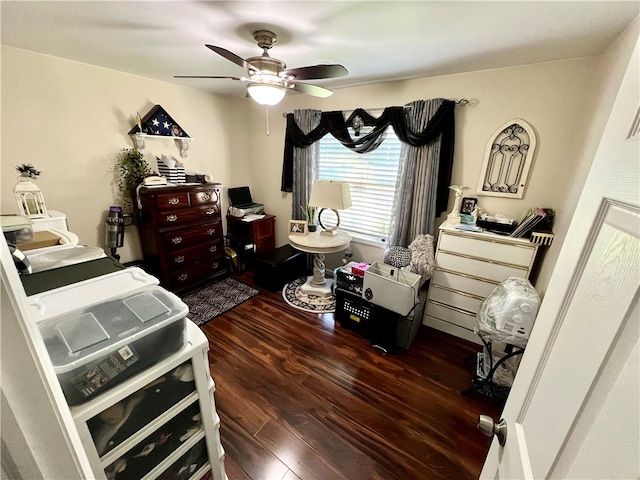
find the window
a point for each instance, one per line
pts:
(372, 178)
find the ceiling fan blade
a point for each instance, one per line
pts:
(316, 72)
(313, 90)
(205, 76)
(234, 58)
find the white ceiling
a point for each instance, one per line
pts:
(375, 40)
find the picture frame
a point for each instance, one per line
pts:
(468, 205)
(298, 227)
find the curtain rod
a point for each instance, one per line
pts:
(461, 103)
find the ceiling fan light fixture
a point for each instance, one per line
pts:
(266, 94)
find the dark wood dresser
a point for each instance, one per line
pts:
(181, 234)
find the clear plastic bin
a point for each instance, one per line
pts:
(17, 228)
(98, 346)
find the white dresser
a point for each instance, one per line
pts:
(469, 266)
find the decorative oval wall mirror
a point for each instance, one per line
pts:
(507, 160)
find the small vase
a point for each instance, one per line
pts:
(312, 228)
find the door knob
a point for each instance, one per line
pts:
(487, 426)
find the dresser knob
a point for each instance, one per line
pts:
(172, 218)
(182, 277)
(213, 248)
(179, 259)
(214, 265)
(211, 211)
(174, 201)
(211, 231)
(206, 197)
(176, 240)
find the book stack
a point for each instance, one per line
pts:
(171, 169)
(536, 218)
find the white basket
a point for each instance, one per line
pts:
(392, 288)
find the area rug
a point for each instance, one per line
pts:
(213, 300)
(309, 303)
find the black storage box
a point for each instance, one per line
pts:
(353, 312)
(278, 267)
(349, 281)
(495, 227)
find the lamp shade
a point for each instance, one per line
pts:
(266, 94)
(330, 194)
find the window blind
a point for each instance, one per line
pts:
(372, 178)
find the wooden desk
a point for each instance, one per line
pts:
(260, 232)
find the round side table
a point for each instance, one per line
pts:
(319, 244)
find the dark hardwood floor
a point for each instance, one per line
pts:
(301, 397)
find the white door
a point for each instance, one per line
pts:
(573, 411)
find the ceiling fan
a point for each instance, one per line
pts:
(268, 79)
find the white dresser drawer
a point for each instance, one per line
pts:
(495, 250)
(479, 268)
(450, 315)
(474, 286)
(455, 299)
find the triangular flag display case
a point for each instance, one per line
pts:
(158, 123)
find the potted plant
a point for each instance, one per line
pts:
(131, 168)
(311, 215)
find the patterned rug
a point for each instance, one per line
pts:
(309, 303)
(213, 300)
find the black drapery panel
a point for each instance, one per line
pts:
(442, 123)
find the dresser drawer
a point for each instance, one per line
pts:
(197, 271)
(190, 236)
(455, 299)
(128, 417)
(156, 447)
(205, 197)
(190, 462)
(170, 201)
(479, 268)
(495, 250)
(184, 257)
(447, 314)
(464, 283)
(188, 215)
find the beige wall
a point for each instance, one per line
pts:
(607, 77)
(555, 98)
(70, 119)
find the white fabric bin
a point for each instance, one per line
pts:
(392, 288)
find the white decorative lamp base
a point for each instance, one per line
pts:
(454, 217)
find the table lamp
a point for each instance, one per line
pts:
(330, 195)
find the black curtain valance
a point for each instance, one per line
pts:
(442, 123)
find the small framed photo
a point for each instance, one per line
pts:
(297, 227)
(468, 205)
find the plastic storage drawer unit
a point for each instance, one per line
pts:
(97, 347)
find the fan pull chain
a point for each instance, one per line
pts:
(267, 109)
